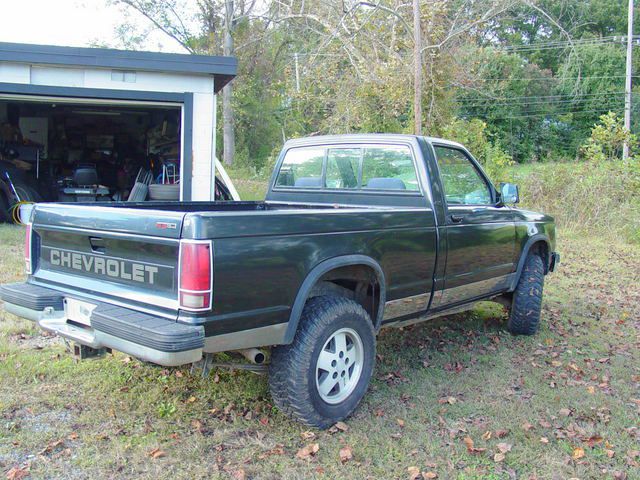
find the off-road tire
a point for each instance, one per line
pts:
(524, 318)
(292, 372)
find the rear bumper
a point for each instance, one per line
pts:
(144, 336)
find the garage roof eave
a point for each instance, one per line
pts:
(224, 69)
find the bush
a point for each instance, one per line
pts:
(597, 196)
(587, 197)
(607, 140)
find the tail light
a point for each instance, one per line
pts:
(27, 249)
(195, 286)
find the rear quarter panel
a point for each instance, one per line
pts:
(261, 260)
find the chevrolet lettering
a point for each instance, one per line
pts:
(357, 233)
(138, 272)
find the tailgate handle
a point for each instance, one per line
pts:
(97, 244)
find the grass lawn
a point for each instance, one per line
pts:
(458, 397)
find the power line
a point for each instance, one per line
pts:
(545, 78)
(539, 104)
(566, 43)
(535, 97)
(580, 112)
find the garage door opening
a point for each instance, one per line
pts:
(90, 150)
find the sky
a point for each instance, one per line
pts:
(76, 23)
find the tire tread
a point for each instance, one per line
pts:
(524, 318)
(288, 382)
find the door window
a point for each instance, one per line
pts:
(463, 184)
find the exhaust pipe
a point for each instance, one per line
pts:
(254, 355)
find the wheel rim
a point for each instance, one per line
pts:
(339, 365)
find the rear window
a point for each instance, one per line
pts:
(371, 167)
(389, 168)
(302, 168)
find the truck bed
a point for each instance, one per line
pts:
(188, 207)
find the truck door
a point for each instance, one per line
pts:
(480, 234)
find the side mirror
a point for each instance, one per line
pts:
(509, 193)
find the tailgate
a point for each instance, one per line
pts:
(124, 255)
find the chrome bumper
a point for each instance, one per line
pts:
(143, 336)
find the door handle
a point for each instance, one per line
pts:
(97, 244)
(456, 218)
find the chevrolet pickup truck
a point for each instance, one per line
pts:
(357, 232)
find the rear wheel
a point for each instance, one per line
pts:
(323, 374)
(524, 318)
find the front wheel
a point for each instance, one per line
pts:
(524, 318)
(323, 374)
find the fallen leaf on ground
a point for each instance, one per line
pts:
(593, 440)
(308, 435)
(502, 433)
(343, 427)
(309, 451)
(51, 446)
(504, 447)
(18, 473)
(487, 435)
(578, 453)
(239, 474)
(414, 473)
(527, 426)
(429, 475)
(470, 448)
(156, 453)
(499, 457)
(400, 422)
(544, 440)
(346, 454)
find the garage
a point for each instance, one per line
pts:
(91, 124)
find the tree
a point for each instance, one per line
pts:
(229, 140)
(417, 68)
(210, 29)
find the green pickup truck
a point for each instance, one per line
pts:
(357, 232)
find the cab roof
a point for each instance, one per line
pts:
(365, 137)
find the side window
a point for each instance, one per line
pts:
(389, 168)
(463, 184)
(343, 167)
(302, 168)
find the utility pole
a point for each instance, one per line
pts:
(417, 69)
(228, 132)
(297, 73)
(627, 86)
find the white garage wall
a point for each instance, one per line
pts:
(202, 86)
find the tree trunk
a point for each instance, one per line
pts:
(417, 69)
(228, 132)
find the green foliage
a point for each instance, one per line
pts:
(589, 198)
(166, 409)
(474, 135)
(538, 74)
(607, 140)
